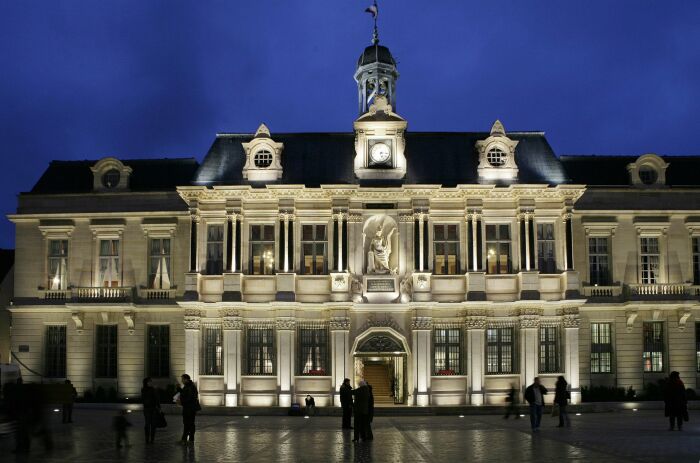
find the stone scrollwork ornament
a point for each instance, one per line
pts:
(422, 323)
(380, 343)
(339, 323)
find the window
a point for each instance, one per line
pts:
(496, 157)
(110, 179)
(653, 355)
(545, 248)
(696, 260)
(498, 249)
(262, 159)
(601, 348)
(58, 265)
(261, 351)
(598, 261)
(109, 275)
(549, 349)
(649, 259)
(158, 361)
(262, 249)
(159, 270)
(500, 350)
(313, 351)
(648, 175)
(215, 249)
(212, 347)
(106, 351)
(313, 250)
(55, 351)
(697, 346)
(447, 349)
(446, 249)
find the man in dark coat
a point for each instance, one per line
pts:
(534, 394)
(346, 402)
(189, 399)
(361, 410)
(370, 415)
(675, 401)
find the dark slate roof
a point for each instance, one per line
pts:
(441, 158)
(147, 175)
(376, 53)
(612, 170)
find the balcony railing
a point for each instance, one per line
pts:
(151, 294)
(660, 289)
(116, 294)
(602, 291)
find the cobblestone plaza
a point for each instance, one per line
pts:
(595, 437)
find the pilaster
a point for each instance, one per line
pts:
(476, 339)
(192, 342)
(421, 328)
(340, 351)
(285, 360)
(233, 326)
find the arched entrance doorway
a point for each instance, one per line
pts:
(381, 358)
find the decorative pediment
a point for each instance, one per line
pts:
(110, 174)
(263, 157)
(497, 155)
(380, 343)
(649, 170)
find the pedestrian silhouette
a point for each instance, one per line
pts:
(346, 402)
(675, 401)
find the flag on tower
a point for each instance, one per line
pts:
(373, 10)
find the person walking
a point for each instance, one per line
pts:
(151, 409)
(189, 400)
(534, 394)
(511, 401)
(361, 411)
(346, 402)
(561, 398)
(675, 401)
(310, 405)
(68, 405)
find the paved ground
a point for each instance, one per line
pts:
(602, 438)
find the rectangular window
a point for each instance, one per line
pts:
(446, 250)
(545, 248)
(55, 351)
(696, 260)
(158, 351)
(262, 249)
(314, 245)
(215, 249)
(549, 349)
(212, 350)
(447, 351)
(500, 350)
(110, 270)
(159, 271)
(261, 351)
(313, 351)
(106, 351)
(598, 261)
(697, 346)
(601, 348)
(653, 356)
(649, 260)
(498, 249)
(58, 265)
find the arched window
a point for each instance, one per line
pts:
(496, 157)
(262, 159)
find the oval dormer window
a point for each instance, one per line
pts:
(496, 157)
(110, 179)
(262, 159)
(648, 175)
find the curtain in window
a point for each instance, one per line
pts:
(109, 263)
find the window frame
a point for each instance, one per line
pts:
(256, 366)
(695, 258)
(499, 344)
(446, 243)
(263, 242)
(448, 347)
(598, 280)
(498, 242)
(697, 346)
(319, 346)
(601, 348)
(55, 355)
(106, 351)
(549, 357)
(161, 350)
(117, 260)
(59, 257)
(653, 363)
(212, 354)
(552, 262)
(152, 272)
(654, 275)
(314, 242)
(214, 266)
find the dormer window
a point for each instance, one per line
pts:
(263, 157)
(110, 174)
(648, 175)
(648, 170)
(496, 157)
(110, 179)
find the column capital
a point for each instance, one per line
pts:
(234, 215)
(422, 323)
(192, 319)
(475, 322)
(473, 214)
(287, 216)
(285, 323)
(339, 324)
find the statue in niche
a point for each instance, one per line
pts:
(379, 253)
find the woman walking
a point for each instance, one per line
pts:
(676, 402)
(189, 399)
(561, 398)
(151, 409)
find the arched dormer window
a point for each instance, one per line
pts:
(648, 170)
(497, 156)
(263, 157)
(110, 174)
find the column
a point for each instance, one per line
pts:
(571, 324)
(421, 330)
(234, 243)
(526, 218)
(286, 243)
(342, 366)
(340, 217)
(233, 353)
(193, 242)
(192, 342)
(285, 360)
(569, 232)
(529, 338)
(421, 241)
(476, 340)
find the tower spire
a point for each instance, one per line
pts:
(374, 11)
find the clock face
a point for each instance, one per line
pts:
(379, 153)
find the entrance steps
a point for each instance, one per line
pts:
(377, 376)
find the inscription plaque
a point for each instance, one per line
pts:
(380, 285)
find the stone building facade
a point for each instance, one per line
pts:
(443, 267)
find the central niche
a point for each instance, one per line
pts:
(380, 244)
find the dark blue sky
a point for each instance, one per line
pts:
(83, 79)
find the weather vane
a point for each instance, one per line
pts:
(374, 11)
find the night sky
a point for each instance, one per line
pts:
(84, 79)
